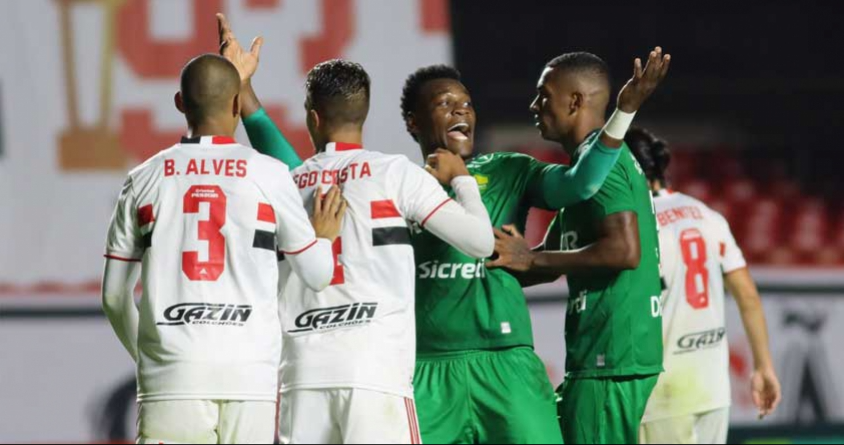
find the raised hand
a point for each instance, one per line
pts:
(644, 81)
(445, 166)
(246, 62)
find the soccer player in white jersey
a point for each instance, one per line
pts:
(349, 351)
(699, 258)
(206, 220)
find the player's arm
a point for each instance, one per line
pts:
(263, 134)
(560, 186)
(554, 187)
(464, 224)
(551, 242)
(119, 280)
(618, 248)
(765, 385)
(124, 250)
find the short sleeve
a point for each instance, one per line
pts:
(418, 194)
(615, 196)
(732, 258)
(294, 231)
(124, 241)
(536, 172)
(554, 235)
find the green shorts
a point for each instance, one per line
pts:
(485, 397)
(606, 410)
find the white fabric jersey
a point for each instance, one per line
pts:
(697, 250)
(360, 332)
(206, 218)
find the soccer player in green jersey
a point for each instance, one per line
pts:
(609, 249)
(478, 379)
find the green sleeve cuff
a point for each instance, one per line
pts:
(256, 117)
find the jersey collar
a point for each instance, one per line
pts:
(208, 140)
(340, 147)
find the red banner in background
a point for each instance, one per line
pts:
(99, 100)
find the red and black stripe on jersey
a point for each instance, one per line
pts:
(388, 236)
(265, 239)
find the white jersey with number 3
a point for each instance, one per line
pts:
(360, 332)
(207, 218)
(697, 250)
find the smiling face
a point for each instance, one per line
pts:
(444, 118)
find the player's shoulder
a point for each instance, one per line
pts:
(152, 165)
(501, 163)
(391, 161)
(670, 198)
(501, 157)
(264, 165)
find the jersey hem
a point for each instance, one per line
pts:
(333, 385)
(621, 372)
(208, 396)
(490, 347)
(464, 354)
(729, 270)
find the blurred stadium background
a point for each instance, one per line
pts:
(752, 109)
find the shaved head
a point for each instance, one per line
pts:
(573, 93)
(584, 72)
(209, 85)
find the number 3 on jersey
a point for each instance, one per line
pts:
(208, 230)
(697, 275)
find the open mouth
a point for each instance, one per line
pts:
(459, 132)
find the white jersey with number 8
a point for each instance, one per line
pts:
(207, 218)
(697, 250)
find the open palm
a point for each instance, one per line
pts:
(246, 62)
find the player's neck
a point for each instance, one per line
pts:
(573, 141)
(210, 128)
(350, 136)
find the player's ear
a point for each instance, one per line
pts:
(180, 104)
(313, 119)
(576, 102)
(236, 106)
(410, 123)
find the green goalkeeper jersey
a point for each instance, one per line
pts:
(614, 321)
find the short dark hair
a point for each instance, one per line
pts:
(414, 83)
(582, 62)
(207, 85)
(652, 153)
(339, 91)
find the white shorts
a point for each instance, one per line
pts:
(348, 416)
(705, 428)
(206, 422)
